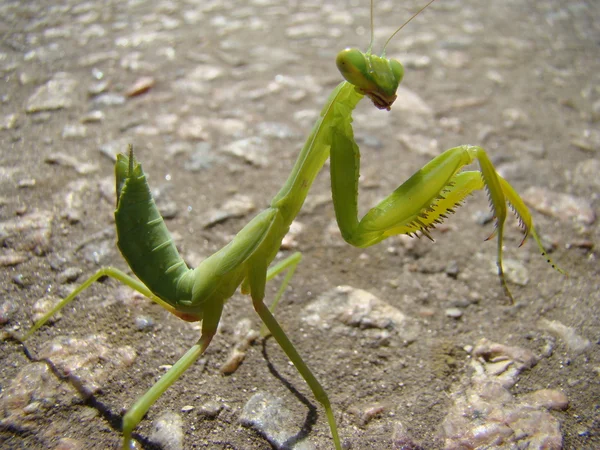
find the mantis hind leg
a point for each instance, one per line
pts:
(291, 352)
(104, 272)
(257, 278)
(290, 263)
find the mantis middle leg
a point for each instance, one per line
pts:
(257, 278)
(104, 272)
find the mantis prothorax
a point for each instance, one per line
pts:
(199, 294)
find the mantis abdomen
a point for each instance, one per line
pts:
(142, 235)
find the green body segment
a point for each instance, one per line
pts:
(142, 235)
(335, 114)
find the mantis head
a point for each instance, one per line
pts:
(374, 76)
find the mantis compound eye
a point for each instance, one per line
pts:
(353, 66)
(397, 70)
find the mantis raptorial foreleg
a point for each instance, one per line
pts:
(424, 199)
(199, 294)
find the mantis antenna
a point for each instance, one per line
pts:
(372, 31)
(395, 32)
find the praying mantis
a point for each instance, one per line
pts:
(199, 294)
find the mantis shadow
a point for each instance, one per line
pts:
(88, 399)
(311, 416)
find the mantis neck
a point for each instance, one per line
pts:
(336, 114)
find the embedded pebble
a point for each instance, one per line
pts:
(167, 431)
(368, 140)
(98, 88)
(74, 131)
(113, 148)
(304, 31)
(30, 232)
(9, 121)
(568, 335)
(289, 240)
(548, 398)
(12, 258)
(7, 309)
(201, 158)
(269, 416)
(485, 414)
(44, 305)
(491, 351)
(95, 116)
(69, 275)
(254, 150)
(402, 440)
(454, 313)
(42, 117)
(276, 130)
(144, 323)
(94, 58)
(244, 336)
(348, 306)
(109, 99)
(514, 271)
(453, 59)
(367, 413)
(167, 208)
(57, 93)
(237, 206)
(466, 102)
(590, 141)
(34, 388)
(26, 183)
(74, 201)
(559, 205)
(166, 123)
(106, 187)
(91, 359)
(410, 102)
(210, 409)
(416, 61)
(193, 128)
(62, 159)
(586, 173)
(420, 144)
(206, 72)
(514, 117)
(187, 85)
(140, 86)
(69, 444)
(452, 269)
(234, 128)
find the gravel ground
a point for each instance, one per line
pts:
(414, 341)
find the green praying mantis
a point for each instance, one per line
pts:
(199, 294)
